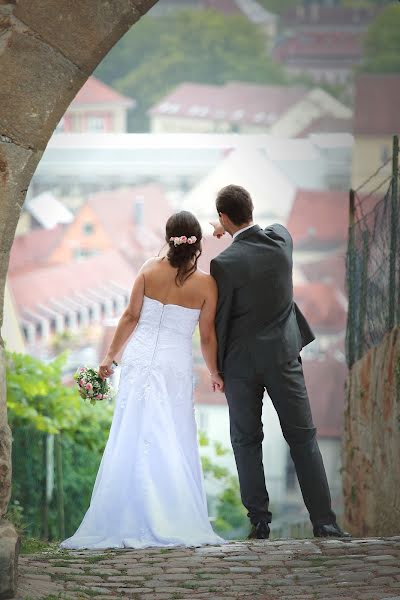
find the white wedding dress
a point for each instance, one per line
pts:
(149, 489)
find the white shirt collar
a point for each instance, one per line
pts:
(241, 230)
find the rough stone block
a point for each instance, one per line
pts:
(9, 549)
(82, 31)
(37, 85)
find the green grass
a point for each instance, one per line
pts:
(31, 545)
(190, 586)
(98, 557)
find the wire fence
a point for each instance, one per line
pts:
(373, 261)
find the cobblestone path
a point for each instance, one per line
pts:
(360, 569)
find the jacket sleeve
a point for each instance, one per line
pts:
(224, 304)
(278, 231)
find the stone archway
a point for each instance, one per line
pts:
(47, 51)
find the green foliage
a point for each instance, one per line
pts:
(40, 404)
(191, 46)
(231, 514)
(382, 42)
(278, 7)
(36, 395)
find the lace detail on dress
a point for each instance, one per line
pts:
(149, 489)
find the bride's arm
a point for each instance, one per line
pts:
(126, 325)
(208, 338)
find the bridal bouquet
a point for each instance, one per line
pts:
(91, 386)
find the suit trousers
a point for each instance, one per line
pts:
(286, 387)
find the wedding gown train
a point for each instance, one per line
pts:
(149, 489)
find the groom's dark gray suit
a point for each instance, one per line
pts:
(260, 333)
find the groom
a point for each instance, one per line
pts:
(260, 333)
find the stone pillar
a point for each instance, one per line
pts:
(371, 441)
(47, 51)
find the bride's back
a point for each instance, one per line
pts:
(160, 283)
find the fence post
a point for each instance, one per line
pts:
(393, 234)
(350, 282)
(60, 487)
(363, 294)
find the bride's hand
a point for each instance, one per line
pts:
(106, 368)
(219, 231)
(217, 382)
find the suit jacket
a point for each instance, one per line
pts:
(257, 321)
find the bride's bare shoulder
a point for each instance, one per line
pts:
(205, 279)
(150, 262)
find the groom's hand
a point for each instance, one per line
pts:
(219, 231)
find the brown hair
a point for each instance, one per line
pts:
(181, 256)
(235, 202)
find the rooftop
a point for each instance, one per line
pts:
(95, 91)
(42, 285)
(319, 218)
(234, 102)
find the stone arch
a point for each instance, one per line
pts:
(47, 51)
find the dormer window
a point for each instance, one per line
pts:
(88, 228)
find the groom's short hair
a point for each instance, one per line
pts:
(235, 202)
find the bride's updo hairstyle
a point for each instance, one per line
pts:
(183, 256)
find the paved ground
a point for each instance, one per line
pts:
(360, 569)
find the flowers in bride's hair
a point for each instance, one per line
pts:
(91, 386)
(183, 240)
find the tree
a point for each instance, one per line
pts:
(41, 406)
(382, 42)
(190, 46)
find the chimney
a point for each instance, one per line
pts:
(138, 208)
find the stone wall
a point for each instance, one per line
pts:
(371, 442)
(47, 51)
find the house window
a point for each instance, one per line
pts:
(95, 124)
(88, 228)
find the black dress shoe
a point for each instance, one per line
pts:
(330, 530)
(259, 531)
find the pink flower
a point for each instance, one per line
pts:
(183, 239)
(81, 382)
(99, 396)
(88, 386)
(82, 370)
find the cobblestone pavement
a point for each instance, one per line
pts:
(360, 569)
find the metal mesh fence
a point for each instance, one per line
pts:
(373, 264)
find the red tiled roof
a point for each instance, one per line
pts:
(115, 209)
(327, 124)
(376, 105)
(334, 45)
(319, 218)
(325, 381)
(38, 286)
(95, 91)
(323, 305)
(331, 269)
(31, 250)
(234, 101)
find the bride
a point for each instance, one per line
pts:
(149, 489)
